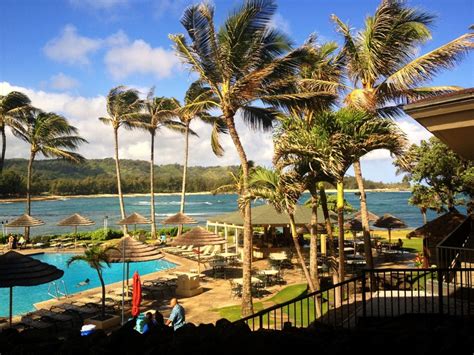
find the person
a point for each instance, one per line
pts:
(163, 239)
(21, 242)
(10, 241)
(83, 283)
(15, 241)
(400, 243)
(150, 323)
(177, 317)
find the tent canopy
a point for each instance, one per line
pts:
(266, 215)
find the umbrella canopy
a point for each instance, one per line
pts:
(390, 222)
(179, 218)
(76, 220)
(134, 218)
(25, 221)
(136, 295)
(129, 249)
(198, 237)
(372, 216)
(354, 225)
(20, 270)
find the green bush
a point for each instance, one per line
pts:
(108, 234)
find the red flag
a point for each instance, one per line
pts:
(136, 295)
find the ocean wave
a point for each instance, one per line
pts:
(187, 214)
(171, 203)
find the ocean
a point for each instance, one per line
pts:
(200, 207)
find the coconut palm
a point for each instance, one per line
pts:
(10, 105)
(159, 112)
(332, 144)
(384, 69)
(97, 257)
(198, 100)
(48, 134)
(282, 191)
(425, 198)
(122, 105)
(244, 62)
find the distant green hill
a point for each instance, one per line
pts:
(97, 176)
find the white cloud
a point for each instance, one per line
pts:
(62, 81)
(138, 57)
(278, 22)
(168, 7)
(99, 4)
(71, 48)
(83, 113)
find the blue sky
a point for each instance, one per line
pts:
(68, 54)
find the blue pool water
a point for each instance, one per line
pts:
(25, 297)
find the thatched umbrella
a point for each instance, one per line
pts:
(76, 220)
(130, 250)
(25, 221)
(198, 237)
(134, 218)
(389, 222)
(179, 219)
(372, 216)
(306, 229)
(354, 225)
(20, 270)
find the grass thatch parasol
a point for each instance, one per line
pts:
(20, 270)
(25, 221)
(389, 222)
(372, 216)
(75, 220)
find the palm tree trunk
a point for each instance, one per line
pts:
(327, 220)
(119, 180)
(185, 173)
(28, 192)
(4, 147)
(340, 225)
(423, 213)
(247, 306)
(313, 246)
(101, 279)
(364, 216)
(152, 186)
(298, 252)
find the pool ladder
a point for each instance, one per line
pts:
(54, 289)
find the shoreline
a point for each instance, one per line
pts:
(64, 197)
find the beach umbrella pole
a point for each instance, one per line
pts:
(11, 305)
(199, 261)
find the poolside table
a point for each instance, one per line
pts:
(240, 280)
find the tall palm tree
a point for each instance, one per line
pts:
(244, 62)
(385, 71)
(97, 257)
(333, 143)
(282, 191)
(48, 134)
(425, 198)
(198, 100)
(10, 105)
(122, 105)
(159, 112)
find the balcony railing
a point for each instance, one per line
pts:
(378, 293)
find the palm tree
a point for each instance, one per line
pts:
(425, 198)
(10, 105)
(122, 105)
(159, 112)
(243, 62)
(198, 100)
(282, 191)
(385, 71)
(332, 143)
(48, 134)
(96, 257)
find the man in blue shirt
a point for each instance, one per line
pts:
(177, 316)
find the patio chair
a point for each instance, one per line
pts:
(235, 289)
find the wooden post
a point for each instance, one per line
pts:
(225, 237)
(323, 244)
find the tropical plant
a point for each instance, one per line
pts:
(122, 106)
(10, 105)
(95, 257)
(282, 191)
(425, 198)
(48, 134)
(244, 63)
(384, 69)
(159, 112)
(198, 100)
(332, 144)
(236, 185)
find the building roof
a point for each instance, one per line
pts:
(266, 215)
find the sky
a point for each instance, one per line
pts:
(67, 54)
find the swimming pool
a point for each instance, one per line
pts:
(25, 297)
